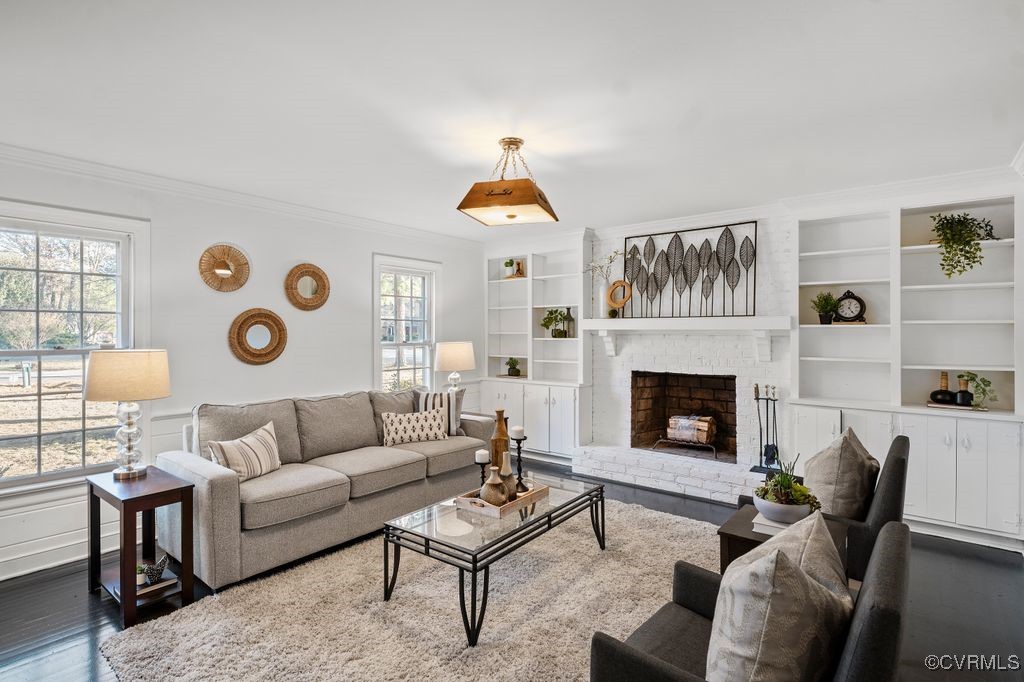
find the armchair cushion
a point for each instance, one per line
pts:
(291, 492)
(677, 636)
(230, 422)
(374, 469)
(446, 455)
(335, 424)
(842, 476)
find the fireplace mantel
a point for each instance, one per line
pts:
(760, 328)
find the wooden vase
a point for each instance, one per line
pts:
(493, 490)
(499, 441)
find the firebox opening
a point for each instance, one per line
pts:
(657, 397)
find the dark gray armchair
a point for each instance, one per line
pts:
(673, 644)
(886, 505)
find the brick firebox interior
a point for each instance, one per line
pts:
(656, 396)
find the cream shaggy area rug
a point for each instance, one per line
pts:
(326, 619)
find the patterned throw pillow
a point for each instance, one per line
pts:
(783, 609)
(249, 456)
(842, 476)
(451, 402)
(414, 427)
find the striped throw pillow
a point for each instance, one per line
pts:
(249, 456)
(450, 402)
(414, 427)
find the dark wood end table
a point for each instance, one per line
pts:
(737, 536)
(156, 489)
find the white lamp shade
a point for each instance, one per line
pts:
(127, 375)
(454, 356)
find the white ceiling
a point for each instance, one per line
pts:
(631, 111)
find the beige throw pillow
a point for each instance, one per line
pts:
(414, 427)
(250, 456)
(783, 609)
(842, 476)
(451, 401)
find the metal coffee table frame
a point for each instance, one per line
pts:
(479, 561)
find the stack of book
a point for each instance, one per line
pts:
(766, 526)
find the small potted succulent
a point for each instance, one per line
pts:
(554, 321)
(510, 267)
(826, 305)
(513, 367)
(140, 574)
(780, 498)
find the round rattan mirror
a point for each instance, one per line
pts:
(307, 286)
(257, 336)
(224, 267)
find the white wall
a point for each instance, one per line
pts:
(329, 350)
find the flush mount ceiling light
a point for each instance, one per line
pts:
(508, 201)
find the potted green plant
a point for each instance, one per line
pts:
(780, 498)
(513, 367)
(981, 390)
(140, 574)
(510, 267)
(960, 236)
(826, 305)
(554, 321)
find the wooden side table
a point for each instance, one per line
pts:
(737, 536)
(156, 489)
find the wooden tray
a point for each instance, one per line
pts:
(471, 501)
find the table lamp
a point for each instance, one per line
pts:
(127, 376)
(454, 357)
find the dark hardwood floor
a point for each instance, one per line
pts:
(964, 600)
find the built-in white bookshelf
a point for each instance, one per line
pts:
(552, 278)
(919, 322)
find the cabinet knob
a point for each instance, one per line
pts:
(553, 401)
(948, 440)
(966, 442)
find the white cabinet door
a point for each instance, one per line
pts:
(490, 397)
(874, 429)
(971, 473)
(563, 419)
(536, 420)
(941, 453)
(816, 427)
(1003, 498)
(914, 427)
(512, 400)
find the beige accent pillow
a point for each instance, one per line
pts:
(414, 427)
(249, 456)
(783, 609)
(842, 476)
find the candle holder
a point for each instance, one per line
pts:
(520, 486)
(483, 473)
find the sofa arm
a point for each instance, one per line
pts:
(695, 588)
(216, 520)
(614, 661)
(477, 426)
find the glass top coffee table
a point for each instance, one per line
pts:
(472, 542)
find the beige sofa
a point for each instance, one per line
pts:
(336, 481)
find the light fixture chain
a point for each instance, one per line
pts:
(525, 167)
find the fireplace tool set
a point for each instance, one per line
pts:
(767, 428)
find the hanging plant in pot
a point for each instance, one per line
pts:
(960, 236)
(826, 305)
(780, 498)
(554, 321)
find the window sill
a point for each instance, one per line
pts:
(52, 482)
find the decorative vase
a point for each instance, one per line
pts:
(558, 333)
(515, 372)
(964, 397)
(493, 490)
(570, 324)
(510, 271)
(943, 396)
(825, 318)
(507, 479)
(499, 441)
(781, 513)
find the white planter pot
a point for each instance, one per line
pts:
(140, 579)
(781, 513)
(509, 271)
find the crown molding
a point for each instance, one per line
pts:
(727, 217)
(33, 158)
(1018, 161)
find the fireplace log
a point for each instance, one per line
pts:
(692, 429)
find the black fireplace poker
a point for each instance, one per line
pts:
(767, 429)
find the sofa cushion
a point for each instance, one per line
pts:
(677, 636)
(335, 424)
(375, 468)
(842, 477)
(250, 456)
(782, 610)
(291, 492)
(446, 455)
(399, 402)
(230, 422)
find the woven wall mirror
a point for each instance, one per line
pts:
(224, 267)
(257, 336)
(307, 286)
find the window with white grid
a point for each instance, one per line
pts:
(405, 326)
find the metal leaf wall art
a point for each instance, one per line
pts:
(703, 263)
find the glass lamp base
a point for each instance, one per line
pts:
(129, 473)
